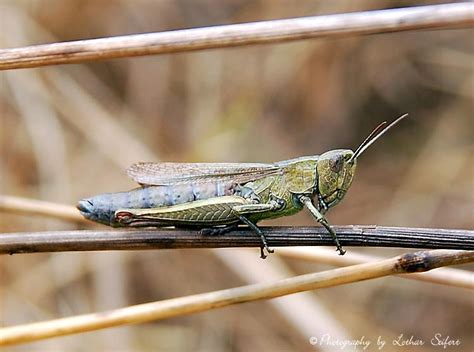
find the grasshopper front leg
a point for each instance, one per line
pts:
(322, 220)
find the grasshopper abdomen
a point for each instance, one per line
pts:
(101, 208)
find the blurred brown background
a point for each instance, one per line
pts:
(68, 132)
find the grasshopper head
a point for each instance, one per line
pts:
(335, 170)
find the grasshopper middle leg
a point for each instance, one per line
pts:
(244, 210)
(260, 233)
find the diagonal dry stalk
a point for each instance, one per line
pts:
(407, 263)
(357, 23)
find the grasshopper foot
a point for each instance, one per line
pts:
(336, 240)
(262, 251)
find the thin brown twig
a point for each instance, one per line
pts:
(407, 263)
(358, 23)
(139, 239)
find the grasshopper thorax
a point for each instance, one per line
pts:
(335, 170)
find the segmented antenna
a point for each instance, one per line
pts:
(373, 136)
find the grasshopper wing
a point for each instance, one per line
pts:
(156, 174)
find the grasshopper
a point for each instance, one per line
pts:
(217, 197)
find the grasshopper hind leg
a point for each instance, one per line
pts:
(216, 231)
(260, 233)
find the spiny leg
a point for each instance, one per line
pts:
(333, 235)
(260, 233)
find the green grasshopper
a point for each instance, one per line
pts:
(217, 197)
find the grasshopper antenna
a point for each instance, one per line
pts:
(378, 132)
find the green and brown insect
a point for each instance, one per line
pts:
(217, 197)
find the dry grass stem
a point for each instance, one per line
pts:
(349, 24)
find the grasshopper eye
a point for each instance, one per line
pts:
(336, 163)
